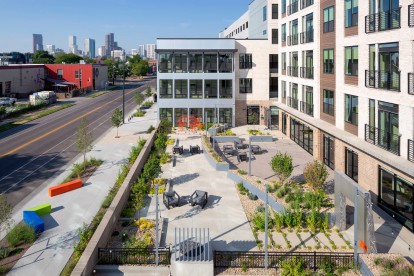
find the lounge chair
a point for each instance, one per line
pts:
(199, 198)
(171, 199)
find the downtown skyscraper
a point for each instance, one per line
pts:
(73, 47)
(37, 42)
(89, 49)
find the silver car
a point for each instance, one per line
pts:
(7, 101)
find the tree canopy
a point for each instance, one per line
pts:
(67, 58)
(42, 57)
(140, 69)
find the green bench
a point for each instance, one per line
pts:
(42, 209)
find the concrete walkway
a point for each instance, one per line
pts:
(50, 253)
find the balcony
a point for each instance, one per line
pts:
(292, 71)
(411, 15)
(411, 83)
(306, 72)
(292, 102)
(382, 21)
(383, 80)
(306, 108)
(383, 139)
(305, 3)
(306, 37)
(292, 40)
(410, 154)
(292, 8)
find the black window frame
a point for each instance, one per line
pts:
(245, 61)
(354, 15)
(328, 65)
(275, 10)
(227, 88)
(326, 104)
(198, 85)
(351, 170)
(246, 85)
(207, 92)
(181, 85)
(275, 36)
(329, 24)
(354, 119)
(329, 151)
(351, 67)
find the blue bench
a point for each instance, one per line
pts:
(32, 218)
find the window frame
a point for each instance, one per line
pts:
(353, 174)
(326, 69)
(351, 66)
(245, 61)
(275, 11)
(329, 23)
(327, 110)
(353, 19)
(227, 88)
(349, 109)
(246, 85)
(275, 36)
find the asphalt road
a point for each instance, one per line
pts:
(33, 153)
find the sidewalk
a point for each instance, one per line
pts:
(50, 253)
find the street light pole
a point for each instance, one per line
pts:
(123, 93)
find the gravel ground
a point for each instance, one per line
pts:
(369, 260)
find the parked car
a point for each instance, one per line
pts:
(7, 101)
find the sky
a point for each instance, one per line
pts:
(134, 22)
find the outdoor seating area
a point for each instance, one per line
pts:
(178, 150)
(171, 199)
(228, 149)
(240, 145)
(195, 149)
(256, 149)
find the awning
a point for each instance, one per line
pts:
(68, 83)
(60, 85)
(53, 80)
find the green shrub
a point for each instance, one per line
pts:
(140, 113)
(228, 132)
(260, 208)
(241, 172)
(164, 158)
(21, 234)
(147, 104)
(128, 213)
(253, 197)
(150, 129)
(290, 197)
(241, 188)
(4, 252)
(282, 166)
(294, 266)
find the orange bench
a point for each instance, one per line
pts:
(65, 187)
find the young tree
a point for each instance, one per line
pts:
(139, 98)
(148, 92)
(315, 174)
(253, 119)
(5, 213)
(117, 119)
(84, 139)
(282, 166)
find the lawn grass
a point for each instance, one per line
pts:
(38, 115)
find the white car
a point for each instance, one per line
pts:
(7, 101)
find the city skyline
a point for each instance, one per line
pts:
(130, 26)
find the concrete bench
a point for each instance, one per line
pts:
(32, 219)
(42, 209)
(65, 187)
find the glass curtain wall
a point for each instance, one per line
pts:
(210, 63)
(181, 89)
(210, 89)
(166, 113)
(195, 63)
(226, 89)
(181, 117)
(166, 89)
(165, 62)
(180, 63)
(225, 116)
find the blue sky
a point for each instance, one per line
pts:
(132, 21)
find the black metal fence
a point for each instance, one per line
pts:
(306, 108)
(383, 139)
(385, 20)
(311, 260)
(411, 83)
(306, 37)
(411, 150)
(383, 79)
(411, 15)
(133, 256)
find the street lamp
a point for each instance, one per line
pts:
(123, 90)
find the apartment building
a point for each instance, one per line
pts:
(346, 96)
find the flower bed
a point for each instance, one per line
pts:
(387, 264)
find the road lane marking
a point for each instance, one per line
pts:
(60, 127)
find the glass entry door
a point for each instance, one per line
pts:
(274, 117)
(253, 115)
(388, 136)
(389, 66)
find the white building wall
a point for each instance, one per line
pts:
(232, 31)
(257, 26)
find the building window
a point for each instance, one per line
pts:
(283, 6)
(225, 62)
(274, 61)
(283, 61)
(351, 164)
(264, 13)
(165, 63)
(328, 20)
(245, 61)
(351, 61)
(275, 11)
(247, 24)
(196, 63)
(371, 119)
(328, 102)
(225, 116)
(210, 89)
(166, 89)
(196, 89)
(273, 87)
(181, 89)
(329, 151)
(166, 113)
(60, 73)
(328, 61)
(246, 85)
(396, 196)
(275, 33)
(180, 63)
(351, 109)
(283, 89)
(76, 74)
(210, 63)
(351, 13)
(226, 89)
(283, 32)
(181, 117)
(302, 135)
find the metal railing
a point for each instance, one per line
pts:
(383, 139)
(306, 37)
(383, 79)
(306, 108)
(306, 72)
(411, 83)
(305, 3)
(411, 15)
(292, 40)
(292, 8)
(385, 20)
(133, 256)
(410, 154)
(292, 71)
(311, 260)
(328, 109)
(292, 102)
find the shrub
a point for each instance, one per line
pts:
(312, 220)
(21, 234)
(150, 129)
(164, 158)
(253, 197)
(128, 213)
(228, 132)
(4, 252)
(241, 172)
(148, 103)
(85, 235)
(140, 113)
(241, 188)
(315, 174)
(293, 266)
(282, 166)
(170, 141)
(151, 168)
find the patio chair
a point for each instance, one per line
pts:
(199, 198)
(194, 149)
(171, 199)
(243, 156)
(228, 149)
(240, 145)
(178, 149)
(256, 149)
